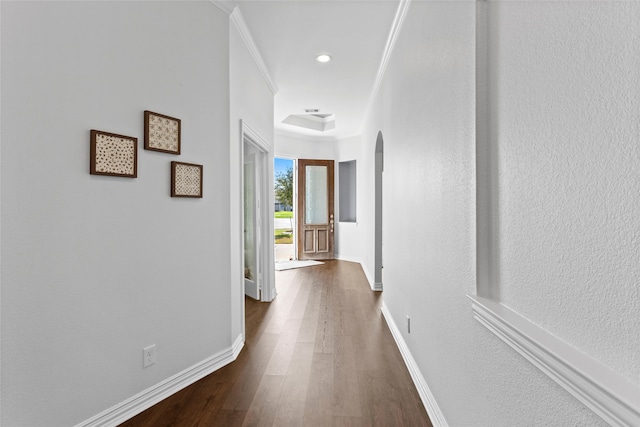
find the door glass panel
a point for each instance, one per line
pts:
(249, 223)
(316, 200)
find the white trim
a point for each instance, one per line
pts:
(268, 293)
(1, 245)
(224, 5)
(350, 259)
(151, 396)
(245, 34)
(290, 133)
(607, 393)
(377, 287)
(254, 136)
(398, 21)
(428, 400)
(374, 286)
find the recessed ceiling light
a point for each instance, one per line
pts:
(323, 58)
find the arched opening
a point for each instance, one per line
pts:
(379, 166)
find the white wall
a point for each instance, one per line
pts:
(367, 215)
(562, 109)
(301, 147)
(347, 234)
(568, 157)
(252, 102)
(96, 268)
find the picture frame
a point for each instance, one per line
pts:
(162, 133)
(186, 180)
(112, 154)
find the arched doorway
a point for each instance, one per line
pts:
(379, 166)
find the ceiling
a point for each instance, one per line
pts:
(290, 34)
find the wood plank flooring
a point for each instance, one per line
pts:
(320, 354)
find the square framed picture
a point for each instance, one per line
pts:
(186, 180)
(161, 133)
(114, 155)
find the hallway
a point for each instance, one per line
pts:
(319, 355)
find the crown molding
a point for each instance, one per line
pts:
(607, 393)
(245, 34)
(398, 21)
(226, 6)
(293, 134)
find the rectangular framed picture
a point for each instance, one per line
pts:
(114, 155)
(161, 133)
(186, 180)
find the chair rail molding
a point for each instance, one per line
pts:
(607, 393)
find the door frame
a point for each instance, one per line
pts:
(254, 162)
(294, 223)
(265, 248)
(378, 183)
(330, 226)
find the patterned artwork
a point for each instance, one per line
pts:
(186, 180)
(161, 133)
(114, 155)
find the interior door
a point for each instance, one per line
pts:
(315, 209)
(251, 227)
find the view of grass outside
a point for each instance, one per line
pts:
(283, 191)
(284, 235)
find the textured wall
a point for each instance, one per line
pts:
(96, 268)
(426, 111)
(566, 95)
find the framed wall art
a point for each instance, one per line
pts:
(186, 180)
(161, 133)
(114, 155)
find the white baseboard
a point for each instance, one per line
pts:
(428, 400)
(607, 393)
(374, 286)
(149, 397)
(348, 258)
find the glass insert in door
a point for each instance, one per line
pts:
(316, 198)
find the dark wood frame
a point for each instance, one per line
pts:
(92, 154)
(174, 177)
(147, 142)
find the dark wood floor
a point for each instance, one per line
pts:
(320, 354)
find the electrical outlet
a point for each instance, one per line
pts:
(408, 324)
(149, 356)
